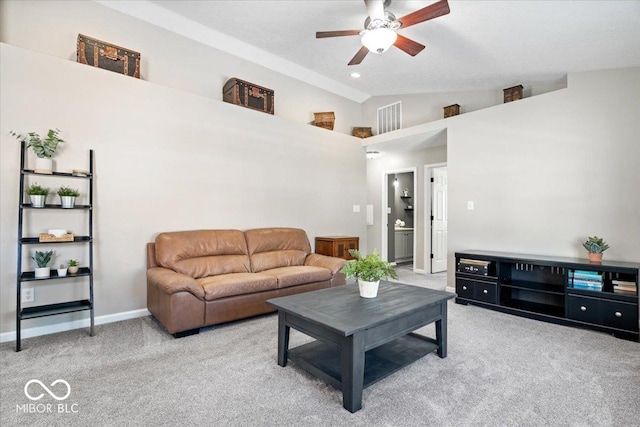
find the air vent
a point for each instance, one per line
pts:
(390, 117)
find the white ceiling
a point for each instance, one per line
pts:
(479, 45)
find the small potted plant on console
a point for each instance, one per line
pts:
(595, 246)
(68, 197)
(368, 270)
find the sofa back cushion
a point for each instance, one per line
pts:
(203, 253)
(276, 247)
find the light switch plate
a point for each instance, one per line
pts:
(356, 208)
(470, 205)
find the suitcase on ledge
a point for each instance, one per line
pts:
(110, 57)
(249, 95)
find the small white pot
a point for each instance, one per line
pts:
(62, 272)
(42, 272)
(44, 165)
(68, 202)
(368, 289)
(72, 269)
(37, 201)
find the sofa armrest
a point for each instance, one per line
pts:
(332, 263)
(171, 282)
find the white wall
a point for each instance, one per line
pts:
(401, 161)
(52, 27)
(548, 171)
(428, 107)
(544, 172)
(165, 160)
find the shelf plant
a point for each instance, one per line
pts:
(43, 148)
(73, 266)
(37, 194)
(68, 196)
(595, 246)
(368, 270)
(42, 259)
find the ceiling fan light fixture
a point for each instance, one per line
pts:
(379, 39)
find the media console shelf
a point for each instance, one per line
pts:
(566, 291)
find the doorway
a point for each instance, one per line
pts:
(436, 197)
(399, 229)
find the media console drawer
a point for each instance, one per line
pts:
(476, 289)
(614, 314)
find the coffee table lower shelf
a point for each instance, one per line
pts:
(323, 360)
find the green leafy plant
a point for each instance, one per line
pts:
(37, 190)
(73, 263)
(68, 191)
(595, 245)
(370, 268)
(43, 148)
(42, 258)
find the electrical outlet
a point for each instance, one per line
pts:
(28, 295)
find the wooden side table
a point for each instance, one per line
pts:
(337, 246)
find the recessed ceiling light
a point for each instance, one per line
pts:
(355, 75)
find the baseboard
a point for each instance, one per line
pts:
(420, 271)
(76, 324)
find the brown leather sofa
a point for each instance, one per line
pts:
(206, 277)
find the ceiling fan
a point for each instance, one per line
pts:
(381, 28)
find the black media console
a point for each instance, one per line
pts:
(567, 291)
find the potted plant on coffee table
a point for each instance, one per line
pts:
(368, 270)
(37, 195)
(595, 246)
(68, 197)
(42, 259)
(44, 148)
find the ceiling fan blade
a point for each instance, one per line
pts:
(432, 11)
(323, 34)
(359, 56)
(375, 9)
(408, 45)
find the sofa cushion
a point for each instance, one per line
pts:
(276, 247)
(227, 285)
(203, 253)
(298, 275)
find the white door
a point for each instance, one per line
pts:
(439, 223)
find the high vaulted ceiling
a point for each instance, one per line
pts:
(478, 45)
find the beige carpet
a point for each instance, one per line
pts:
(501, 370)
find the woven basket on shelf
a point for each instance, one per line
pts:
(45, 237)
(325, 120)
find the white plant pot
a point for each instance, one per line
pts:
(62, 272)
(368, 289)
(37, 201)
(42, 272)
(68, 202)
(72, 270)
(44, 165)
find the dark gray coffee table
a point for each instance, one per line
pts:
(361, 340)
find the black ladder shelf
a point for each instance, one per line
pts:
(32, 312)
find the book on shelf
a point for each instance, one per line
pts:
(592, 286)
(624, 291)
(623, 282)
(587, 275)
(474, 262)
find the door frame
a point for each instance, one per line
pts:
(384, 251)
(428, 202)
